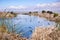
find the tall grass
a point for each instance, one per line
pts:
(58, 25)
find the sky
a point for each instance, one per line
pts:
(30, 5)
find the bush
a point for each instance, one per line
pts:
(30, 12)
(43, 11)
(49, 12)
(55, 14)
(13, 14)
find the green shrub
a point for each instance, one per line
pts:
(55, 14)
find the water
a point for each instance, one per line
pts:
(25, 24)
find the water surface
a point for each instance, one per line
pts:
(25, 24)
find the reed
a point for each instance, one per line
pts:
(51, 33)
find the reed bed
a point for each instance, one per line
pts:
(6, 35)
(51, 33)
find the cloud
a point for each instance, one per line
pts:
(38, 7)
(43, 5)
(55, 4)
(17, 7)
(49, 4)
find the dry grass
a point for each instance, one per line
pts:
(10, 36)
(7, 15)
(5, 35)
(46, 34)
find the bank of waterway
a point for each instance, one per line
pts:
(25, 24)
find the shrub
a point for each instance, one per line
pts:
(55, 14)
(30, 12)
(49, 12)
(43, 11)
(13, 14)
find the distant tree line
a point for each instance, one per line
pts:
(50, 12)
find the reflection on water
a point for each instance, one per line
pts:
(25, 24)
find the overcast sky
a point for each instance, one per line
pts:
(30, 5)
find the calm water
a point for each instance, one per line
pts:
(25, 24)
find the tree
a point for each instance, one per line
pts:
(43, 11)
(30, 12)
(50, 12)
(11, 12)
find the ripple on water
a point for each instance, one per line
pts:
(26, 24)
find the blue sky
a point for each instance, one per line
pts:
(30, 4)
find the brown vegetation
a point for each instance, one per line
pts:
(7, 15)
(47, 14)
(10, 36)
(51, 33)
(5, 35)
